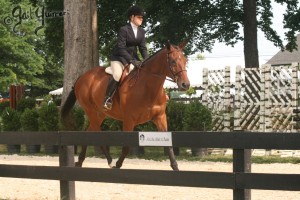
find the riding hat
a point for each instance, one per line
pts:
(135, 10)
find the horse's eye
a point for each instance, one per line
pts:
(173, 62)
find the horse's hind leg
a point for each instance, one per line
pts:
(81, 156)
(161, 124)
(125, 150)
(95, 121)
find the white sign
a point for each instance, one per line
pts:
(161, 139)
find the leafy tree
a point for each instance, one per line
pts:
(25, 56)
(52, 46)
(205, 22)
(20, 60)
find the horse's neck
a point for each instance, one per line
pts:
(154, 70)
(156, 65)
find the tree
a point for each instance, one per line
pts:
(204, 22)
(18, 41)
(112, 15)
(250, 34)
(80, 41)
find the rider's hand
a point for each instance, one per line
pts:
(136, 63)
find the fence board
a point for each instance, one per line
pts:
(49, 137)
(127, 176)
(289, 182)
(234, 140)
(239, 180)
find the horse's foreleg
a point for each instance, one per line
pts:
(173, 162)
(125, 151)
(81, 156)
(127, 126)
(161, 125)
(107, 155)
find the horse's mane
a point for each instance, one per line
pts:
(150, 57)
(136, 70)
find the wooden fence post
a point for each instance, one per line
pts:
(227, 104)
(242, 163)
(66, 158)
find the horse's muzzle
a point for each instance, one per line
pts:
(183, 86)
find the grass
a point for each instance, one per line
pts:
(157, 154)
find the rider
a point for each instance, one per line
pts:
(129, 38)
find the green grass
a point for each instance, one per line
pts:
(157, 154)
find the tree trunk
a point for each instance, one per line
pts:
(80, 41)
(250, 34)
(80, 55)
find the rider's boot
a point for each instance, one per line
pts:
(112, 86)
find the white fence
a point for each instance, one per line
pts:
(260, 99)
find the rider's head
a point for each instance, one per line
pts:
(136, 14)
(136, 11)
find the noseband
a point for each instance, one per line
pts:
(174, 74)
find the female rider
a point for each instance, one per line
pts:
(130, 37)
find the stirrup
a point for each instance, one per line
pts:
(107, 103)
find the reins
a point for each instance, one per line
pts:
(173, 79)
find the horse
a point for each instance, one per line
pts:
(139, 98)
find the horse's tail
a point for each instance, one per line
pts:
(67, 106)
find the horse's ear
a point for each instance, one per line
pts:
(168, 45)
(182, 44)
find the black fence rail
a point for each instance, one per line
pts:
(241, 180)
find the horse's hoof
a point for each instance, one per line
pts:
(175, 167)
(118, 164)
(111, 166)
(78, 164)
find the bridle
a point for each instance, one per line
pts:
(174, 74)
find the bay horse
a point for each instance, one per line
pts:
(139, 98)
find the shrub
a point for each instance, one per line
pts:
(110, 124)
(48, 117)
(29, 120)
(175, 115)
(148, 126)
(79, 119)
(11, 120)
(197, 117)
(3, 105)
(22, 104)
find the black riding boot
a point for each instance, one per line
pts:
(112, 86)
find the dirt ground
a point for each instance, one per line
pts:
(28, 189)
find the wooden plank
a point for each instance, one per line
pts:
(236, 140)
(107, 138)
(33, 138)
(289, 182)
(127, 176)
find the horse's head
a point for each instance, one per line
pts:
(176, 62)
